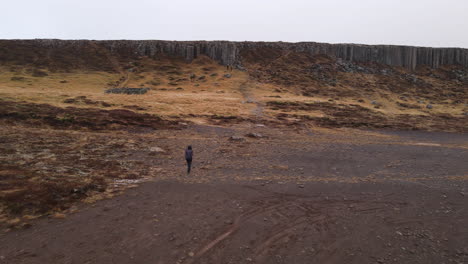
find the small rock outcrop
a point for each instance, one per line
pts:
(127, 90)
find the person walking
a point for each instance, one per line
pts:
(188, 158)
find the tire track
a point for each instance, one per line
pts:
(235, 226)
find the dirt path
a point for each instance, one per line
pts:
(315, 199)
(169, 222)
(249, 98)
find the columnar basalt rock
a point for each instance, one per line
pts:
(229, 53)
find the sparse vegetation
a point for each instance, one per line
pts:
(17, 78)
(39, 73)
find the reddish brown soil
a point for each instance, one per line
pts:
(169, 222)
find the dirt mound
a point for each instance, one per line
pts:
(43, 115)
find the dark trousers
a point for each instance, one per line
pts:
(189, 165)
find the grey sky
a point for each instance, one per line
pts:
(441, 23)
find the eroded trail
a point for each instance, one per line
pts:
(245, 90)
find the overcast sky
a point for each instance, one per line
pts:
(442, 23)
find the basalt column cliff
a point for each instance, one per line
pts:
(230, 53)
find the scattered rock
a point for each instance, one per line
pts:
(17, 78)
(254, 135)
(127, 90)
(39, 73)
(157, 149)
(429, 106)
(241, 68)
(300, 185)
(191, 254)
(281, 167)
(58, 216)
(25, 225)
(236, 138)
(227, 75)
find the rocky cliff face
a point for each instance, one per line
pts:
(229, 53)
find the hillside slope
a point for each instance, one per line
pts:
(280, 83)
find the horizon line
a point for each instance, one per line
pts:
(241, 41)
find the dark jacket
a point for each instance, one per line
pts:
(188, 154)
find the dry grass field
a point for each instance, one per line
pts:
(243, 94)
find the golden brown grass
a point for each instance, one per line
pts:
(174, 94)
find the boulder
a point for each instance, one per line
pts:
(128, 90)
(254, 135)
(236, 138)
(157, 149)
